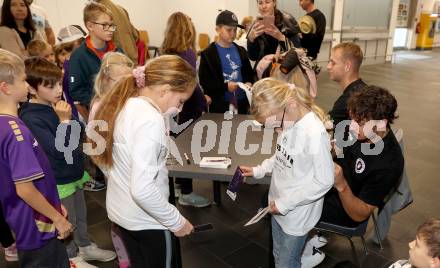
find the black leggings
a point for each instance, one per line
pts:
(6, 238)
(149, 248)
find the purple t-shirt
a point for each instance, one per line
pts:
(23, 160)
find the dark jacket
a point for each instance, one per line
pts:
(196, 104)
(43, 123)
(84, 65)
(266, 44)
(212, 80)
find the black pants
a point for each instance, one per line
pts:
(149, 248)
(334, 212)
(6, 238)
(186, 185)
(52, 255)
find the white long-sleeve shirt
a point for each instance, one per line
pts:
(302, 172)
(138, 190)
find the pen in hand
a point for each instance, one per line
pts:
(187, 159)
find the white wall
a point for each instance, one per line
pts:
(150, 15)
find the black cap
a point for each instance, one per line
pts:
(227, 18)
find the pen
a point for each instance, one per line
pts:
(187, 159)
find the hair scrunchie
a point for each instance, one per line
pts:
(139, 76)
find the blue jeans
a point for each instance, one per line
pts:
(287, 249)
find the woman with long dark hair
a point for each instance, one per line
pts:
(180, 40)
(17, 28)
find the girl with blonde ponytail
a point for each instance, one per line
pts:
(302, 166)
(134, 157)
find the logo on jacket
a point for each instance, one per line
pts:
(360, 166)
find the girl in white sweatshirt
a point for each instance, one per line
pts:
(302, 167)
(134, 158)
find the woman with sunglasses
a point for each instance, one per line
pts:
(302, 166)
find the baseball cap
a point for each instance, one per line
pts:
(70, 33)
(227, 18)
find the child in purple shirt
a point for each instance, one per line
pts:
(29, 197)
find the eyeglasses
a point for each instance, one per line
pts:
(282, 122)
(106, 26)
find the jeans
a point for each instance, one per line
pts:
(287, 249)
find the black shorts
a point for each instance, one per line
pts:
(52, 255)
(6, 237)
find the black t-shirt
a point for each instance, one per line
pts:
(312, 42)
(372, 177)
(339, 111)
(25, 37)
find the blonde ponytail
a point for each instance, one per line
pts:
(163, 70)
(270, 94)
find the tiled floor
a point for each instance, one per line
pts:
(415, 81)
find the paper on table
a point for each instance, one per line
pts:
(258, 216)
(247, 89)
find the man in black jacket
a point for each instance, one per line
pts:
(223, 65)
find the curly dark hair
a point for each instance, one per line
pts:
(372, 103)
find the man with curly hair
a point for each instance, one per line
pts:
(370, 168)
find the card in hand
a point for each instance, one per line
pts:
(235, 183)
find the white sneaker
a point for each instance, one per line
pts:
(11, 253)
(93, 253)
(312, 260)
(193, 200)
(79, 262)
(318, 241)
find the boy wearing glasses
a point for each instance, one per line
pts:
(222, 65)
(86, 60)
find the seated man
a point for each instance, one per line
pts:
(368, 170)
(343, 68)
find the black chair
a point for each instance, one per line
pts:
(348, 232)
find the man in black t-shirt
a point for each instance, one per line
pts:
(343, 67)
(369, 170)
(312, 41)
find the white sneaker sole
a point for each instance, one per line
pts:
(186, 204)
(98, 259)
(315, 262)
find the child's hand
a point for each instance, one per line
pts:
(273, 208)
(232, 86)
(63, 227)
(208, 100)
(185, 230)
(63, 110)
(64, 211)
(247, 171)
